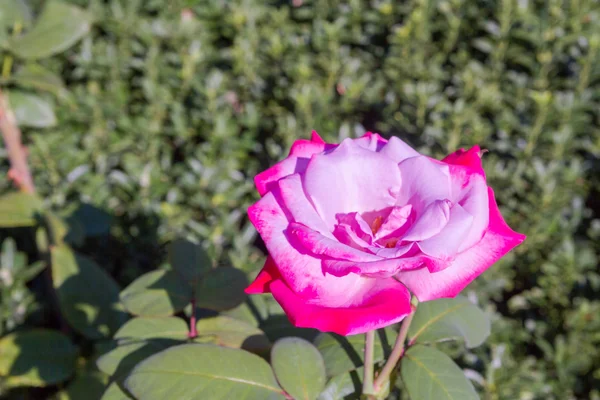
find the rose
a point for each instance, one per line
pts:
(352, 228)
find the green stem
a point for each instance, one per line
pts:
(368, 375)
(397, 352)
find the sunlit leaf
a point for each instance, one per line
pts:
(157, 293)
(58, 27)
(31, 109)
(207, 371)
(299, 368)
(34, 76)
(234, 333)
(447, 319)
(19, 209)
(36, 357)
(115, 392)
(345, 353)
(347, 386)
(87, 295)
(429, 374)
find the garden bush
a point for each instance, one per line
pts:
(149, 125)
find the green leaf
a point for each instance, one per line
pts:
(207, 371)
(115, 392)
(345, 353)
(93, 220)
(59, 26)
(122, 359)
(31, 110)
(233, 333)
(347, 386)
(221, 289)
(87, 295)
(19, 209)
(56, 228)
(429, 374)
(189, 259)
(12, 11)
(448, 319)
(38, 357)
(243, 312)
(138, 339)
(88, 385)
(158, 293)
(34, 76)
(299, 368)
(153, 328)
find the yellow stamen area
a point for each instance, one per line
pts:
(376, 224)
(391, 243)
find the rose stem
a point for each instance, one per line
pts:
(19, 169)
(397, 351)
(368, 373)
(193, 333)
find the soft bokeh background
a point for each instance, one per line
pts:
(174, 106)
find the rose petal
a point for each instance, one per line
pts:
(467, 158)
(299, 207)
(424, 181)
(445, 244)
(303, 273)
(497, 241)
(384, 302)
(263, 279)
(371, 141)
(358, 224)
(395, 222)
(431, 221)
(398, 151)
(474, 199)
(296, 162)
(392, 252)
(469, 189)
(342, 181)
(315, 137)
(321, 245)
(384, 268)
(346, 235)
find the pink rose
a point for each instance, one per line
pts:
(352, 228)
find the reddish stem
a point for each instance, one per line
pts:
(193, 332)
(19, 170)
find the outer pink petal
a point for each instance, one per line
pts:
(302, 272)
(471, 159)
(295, 162)
(315, 137)
(384, 303)
(497, 241)
(469, 189)
(342, 181)
(263, 279)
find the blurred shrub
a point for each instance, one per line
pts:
(174, 106)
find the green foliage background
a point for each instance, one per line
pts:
(172, 113)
